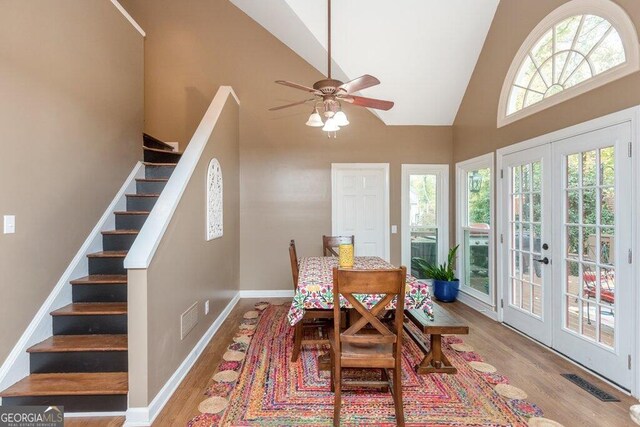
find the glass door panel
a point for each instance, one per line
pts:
(590, 229)
(526, 300)
(423, 216)
(592, 279)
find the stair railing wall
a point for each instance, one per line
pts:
(173, 265)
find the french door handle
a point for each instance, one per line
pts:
(544, 260)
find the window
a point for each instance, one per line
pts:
(581, 45)
(474, 189)
(425, 214)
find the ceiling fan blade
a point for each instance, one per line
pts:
(291, 105)
(297, 86)
(362, 101)
(360, 83)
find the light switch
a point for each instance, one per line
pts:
(9, 224)
(394, 229)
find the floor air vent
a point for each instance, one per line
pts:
(592, 389)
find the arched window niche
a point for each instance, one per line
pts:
(579, 46)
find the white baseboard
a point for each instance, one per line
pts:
(478, 305)
(16, 365)
(146, 416)
(93, 414)
(276, 293)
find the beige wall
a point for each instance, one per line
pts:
(186, 268)
(71, 117)
(475, 130)
(193, 47)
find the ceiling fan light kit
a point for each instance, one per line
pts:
(329, 93)
(314, 119)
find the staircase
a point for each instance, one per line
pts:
(83, 366)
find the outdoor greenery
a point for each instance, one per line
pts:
(444, 271)
(480, 201)
(423, 187)
(598, 179)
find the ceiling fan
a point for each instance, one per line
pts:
(329, 93)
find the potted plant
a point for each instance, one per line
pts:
(445, 284)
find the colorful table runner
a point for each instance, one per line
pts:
(315, 287)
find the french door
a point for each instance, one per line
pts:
(527, 274)
(568, 235)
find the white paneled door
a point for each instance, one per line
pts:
(360, 206)
(567, 237)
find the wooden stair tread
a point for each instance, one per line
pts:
(108, 254)
(152, 179)
(149, 138)
(91, 309)
(119, 232)
(132, 212)
(158, 164)
(73, 343)
(67, 384)
(158, 150)
(143, 195)
(101, 279)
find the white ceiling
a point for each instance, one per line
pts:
(423, 51)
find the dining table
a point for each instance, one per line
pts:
(315, 287)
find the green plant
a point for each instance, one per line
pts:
(443, 271)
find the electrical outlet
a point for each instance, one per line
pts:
(206, 307)
(394, 229)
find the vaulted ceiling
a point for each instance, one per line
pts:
(423, 51)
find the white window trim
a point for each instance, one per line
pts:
(442, 174)
(462, 169)
(335, 167)
(603, 8)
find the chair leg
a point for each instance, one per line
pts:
(297, 341)
(333, 361)
(397, 396)
(384, 377)
(337, 395)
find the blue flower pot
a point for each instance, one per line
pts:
(446, 291)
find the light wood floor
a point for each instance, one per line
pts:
(528, 366)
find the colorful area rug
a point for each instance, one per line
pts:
(258, 385)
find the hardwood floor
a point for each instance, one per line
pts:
(537, 371)
(528, 366)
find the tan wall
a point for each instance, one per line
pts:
(475, 130)
(71, 117)
(186, 268)
(192, 48)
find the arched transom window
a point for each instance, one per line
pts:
(568, 54)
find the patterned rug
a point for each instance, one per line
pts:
(258, 385)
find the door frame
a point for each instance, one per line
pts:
(442, 171)
(335, 167)
(631, 115)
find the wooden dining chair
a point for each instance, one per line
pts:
(329, 243)
(368, 343)
(316, 319)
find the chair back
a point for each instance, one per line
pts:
(389, 284)
(329, 243)
(293, 257)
